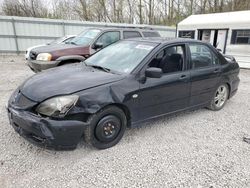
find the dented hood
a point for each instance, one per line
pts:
(65, 80)
(59, 50)
(58, 47)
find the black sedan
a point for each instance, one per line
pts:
(121, 86)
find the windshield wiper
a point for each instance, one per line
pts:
(100, 67)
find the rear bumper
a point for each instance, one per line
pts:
(38, 66)
(45, 132)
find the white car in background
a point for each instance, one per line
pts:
(63, 39)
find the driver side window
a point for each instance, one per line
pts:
(170, 59)
(108, 38)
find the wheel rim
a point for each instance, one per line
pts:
(220, 96)
(108, 128)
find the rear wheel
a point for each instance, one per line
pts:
(220, 98)
(106, 128)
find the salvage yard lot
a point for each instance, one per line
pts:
(199, 148)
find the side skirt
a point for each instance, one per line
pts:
(137, 123)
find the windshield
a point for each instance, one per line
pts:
(85, 37)
(123, 56)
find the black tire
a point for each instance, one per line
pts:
(94, 133)
(214, 102)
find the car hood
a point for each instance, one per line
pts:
(58, 50)
(33, 47)
(54, 47)
(65, 80)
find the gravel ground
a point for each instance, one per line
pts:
(194, 149)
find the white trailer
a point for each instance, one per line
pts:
(228, 31)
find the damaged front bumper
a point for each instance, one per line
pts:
(38, 66)
(45, 132)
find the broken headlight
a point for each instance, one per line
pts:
(57, 106)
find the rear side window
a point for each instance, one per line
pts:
(202, 56)
(131, 34)
(150, 34)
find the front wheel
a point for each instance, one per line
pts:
(220, 98)
(106, 127)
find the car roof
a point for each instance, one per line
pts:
(164, 40)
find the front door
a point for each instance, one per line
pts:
(171, 92)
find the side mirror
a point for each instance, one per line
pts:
(97, 45)
(153, 72)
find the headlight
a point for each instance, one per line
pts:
(44, 57)
(57, 106)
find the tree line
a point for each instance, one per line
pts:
(159, 12)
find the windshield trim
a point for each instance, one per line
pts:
(148, 58)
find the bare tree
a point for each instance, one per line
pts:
(29, 8)
(163, 12)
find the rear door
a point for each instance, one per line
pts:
(205, 73)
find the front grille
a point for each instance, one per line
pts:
(33, 55)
